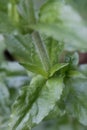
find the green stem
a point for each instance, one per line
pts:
(39, 44)
(30, 10)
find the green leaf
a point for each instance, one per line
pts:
(76, 74)
(57, 67)
(24, 8)
(56, 21)
(72, 58)
(54, 113)
(12, 77)
(35, 102)
(54, 49)
(4, 100)
(4, 106)
(76, 101)
(35, 69)
(22, 47)
(26, 14)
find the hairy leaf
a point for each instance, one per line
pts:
(35, 69)
(36, 102)
(25, 52)
(54, 49)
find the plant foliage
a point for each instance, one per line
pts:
(43, 37)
